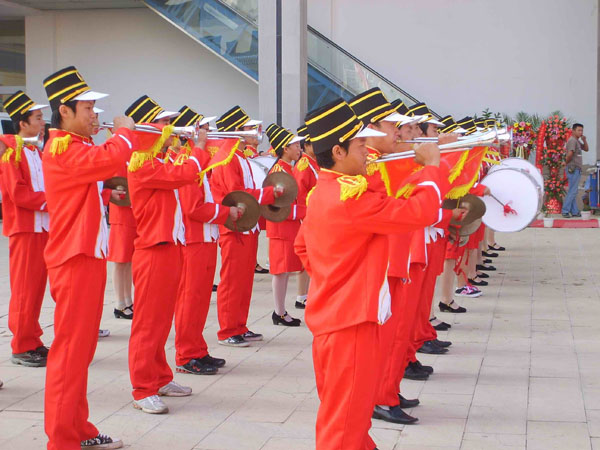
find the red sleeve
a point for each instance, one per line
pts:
(229, 178)
(196, 209)
(376, 212)
(477, 190)
(300, 249)
(20, 190)
(154, 175)
(446, 218)
(99, 162)
(303, 178)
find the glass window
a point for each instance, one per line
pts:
(12, 57)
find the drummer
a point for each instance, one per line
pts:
(283, 260)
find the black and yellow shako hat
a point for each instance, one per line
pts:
(468, 124)
(280, 137)
(19, 104)
(400, 107)
(422, 110)
(66, 85)
(188, 117)
(334, 124)
(302, 131)
(491, 123)
(450, 125)
(236, 118)
(371, 106)
(480, 123)
(146, 110)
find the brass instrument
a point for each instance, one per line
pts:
(191, 132)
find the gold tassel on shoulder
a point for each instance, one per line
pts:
(138, 159)
(302, 164)
(372, 167)
(60, 144)
(14, 151)
(352, 186)
(248, 153)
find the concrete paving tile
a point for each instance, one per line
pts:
(593, 420)
(441, 432)
(557, 436)
(497, 420)
(277, 443)
(555, 399)
(485, 441)
(595, 443)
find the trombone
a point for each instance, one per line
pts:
(191, 132)
(502, 135)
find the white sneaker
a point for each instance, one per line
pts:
(103, 333)
(175, 390)
(151, 405)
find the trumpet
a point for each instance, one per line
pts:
(487, 139)
(191, 132)
(501, 135)
(37, 141)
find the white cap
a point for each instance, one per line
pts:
(435, 122)
(36, 107)
(205, 120)
(98, 110)
(90, 96)
(407, 119)
(166, 115)
(296, 139)
(369, 132)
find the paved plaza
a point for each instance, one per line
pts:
(523, 370)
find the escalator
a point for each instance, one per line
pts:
(229, 28)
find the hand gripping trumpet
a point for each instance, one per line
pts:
(191, 132)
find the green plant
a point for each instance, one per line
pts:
(586, 207)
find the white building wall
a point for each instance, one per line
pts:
(462, 56)
(127, 53)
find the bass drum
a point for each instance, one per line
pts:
(517, 189)
(523, 164)
(260, 168)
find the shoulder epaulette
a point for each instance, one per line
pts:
(352, 186)
(16, 151)
(302, 164)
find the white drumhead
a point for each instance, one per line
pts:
(523, 164)
(260, 168)
(519, 190)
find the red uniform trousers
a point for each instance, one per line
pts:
(238, 259)
(387, 392)
(193, 301)
(409, 294)
(77, 286)
(28, 276)
(156, 272)
(346, 375)
(424, 331)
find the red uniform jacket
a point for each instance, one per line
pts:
(236, 175)
(23, 199)
(344, 247)
(155, 200)
(306, 172)
(201, 215)
(73, 177)
(288, 229)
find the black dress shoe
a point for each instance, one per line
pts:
(209, 360)
(259, 269)
(417, 364)
(125, 313)
(496, 248)
(442, 344)
(42, 350)
(393, 415)
(280, 320)
(475, 282)
(489, 254)
(195, 367)
(413, 373)
(486, 268)
(447, 308)
(215, 287)
(487, 261)
(483, 275)
(441, 327)
(300, 305)
(406, 403)
(430, 348)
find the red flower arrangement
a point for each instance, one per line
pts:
(557, 129)
(555, 187)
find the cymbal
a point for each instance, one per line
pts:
(466, 230)
(251, 212)
(288, 182)
(474, 205)
(114, 183)
(275, 213)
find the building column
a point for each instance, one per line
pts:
(282, 62)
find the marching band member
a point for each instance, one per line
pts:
(281, 235)
(343, 246)
(25, 222)
(201, 217)
(306, 172)
(154, 197)
(231, 172)
(76, 252)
